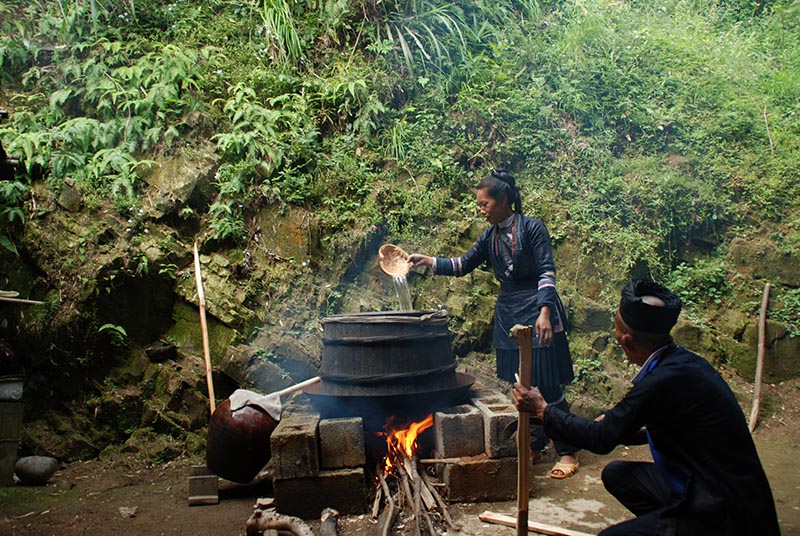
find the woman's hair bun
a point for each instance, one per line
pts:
(505, 176)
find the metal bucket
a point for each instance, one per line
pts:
(11, 410)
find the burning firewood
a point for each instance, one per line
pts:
(415, 498)
(386, 519)
(440, 502)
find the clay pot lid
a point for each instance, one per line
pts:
(393, 260)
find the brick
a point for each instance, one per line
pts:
(294, 445)
(458, 432)
(499, 423)
(480, 478)
(341, 443)
(343, 490)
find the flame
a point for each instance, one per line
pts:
(402, 442)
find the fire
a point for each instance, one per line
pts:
(402, 442)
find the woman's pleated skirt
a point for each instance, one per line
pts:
(551, 366)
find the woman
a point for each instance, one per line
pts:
(518, 248)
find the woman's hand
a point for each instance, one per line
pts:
(544, 329)
(417, 259)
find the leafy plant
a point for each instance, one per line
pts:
(704, 283)
(117, 334)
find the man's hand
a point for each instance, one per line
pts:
(530, 400)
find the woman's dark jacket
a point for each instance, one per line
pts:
(526, 286)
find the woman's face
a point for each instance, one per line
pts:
(492, 209)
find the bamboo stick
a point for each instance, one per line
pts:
(19, 300)
(201, 299)
(431, 461)
(762, 335)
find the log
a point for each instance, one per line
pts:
(262, 521)
(425, 494)
(410, 498)
(541, 528)
(762, 335)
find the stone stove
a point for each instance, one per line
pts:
(329, 461)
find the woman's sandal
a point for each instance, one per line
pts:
(564, 470)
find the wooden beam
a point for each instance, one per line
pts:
(541, 528)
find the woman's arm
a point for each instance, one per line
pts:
(456, 266)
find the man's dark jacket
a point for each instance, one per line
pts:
(695, 421)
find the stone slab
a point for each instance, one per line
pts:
(341, 443)
(294, 444)
(480, 478)
(344, 490)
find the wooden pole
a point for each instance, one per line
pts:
(201, 299)
(19, 300)
(524, 337)
(298, 386)
(762, 335)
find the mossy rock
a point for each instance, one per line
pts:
(178, 399)
(781, 353)
(696, 339)
(762, 259)
(147, 445)
(116, 414)
(186, 332)
(58, 436)
(588, 316)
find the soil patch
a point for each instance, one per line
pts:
(120, 495)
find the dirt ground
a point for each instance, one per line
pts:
(117, 495)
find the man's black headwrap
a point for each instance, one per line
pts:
(642, 316)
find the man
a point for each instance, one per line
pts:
(706, 477)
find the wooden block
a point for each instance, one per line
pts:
(203, 488)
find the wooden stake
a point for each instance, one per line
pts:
(541, 528)
(524, 337)
(201, 299)
(386, 519)
(762, 335)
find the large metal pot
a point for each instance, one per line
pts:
(387, 360)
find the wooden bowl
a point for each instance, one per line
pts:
(393, 260)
